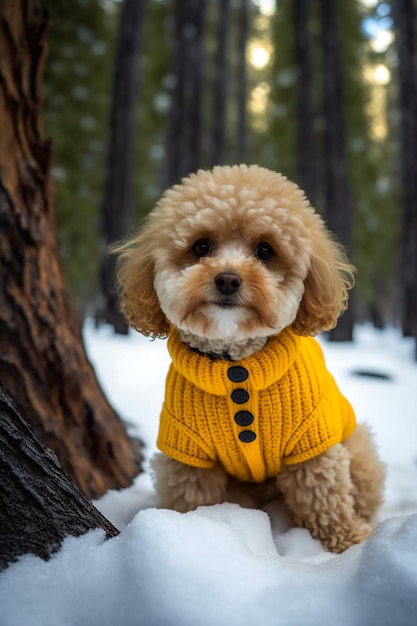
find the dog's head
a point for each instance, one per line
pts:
(233, 253)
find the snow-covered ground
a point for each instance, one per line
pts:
(224, 565)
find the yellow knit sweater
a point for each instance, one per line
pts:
(280, 405)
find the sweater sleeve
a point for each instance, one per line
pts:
(181, 443)
(331, 422)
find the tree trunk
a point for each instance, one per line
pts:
(305, 150)
(337, 192)
(43, 365)
(118, 201)
(242, 137)
(184, 124)
(39, 505)
(404, 16)
(220, 84)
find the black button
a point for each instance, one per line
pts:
(244, 418)
(237, 374)
(240, 396)
(247, 436)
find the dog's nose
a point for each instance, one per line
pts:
(227, 283)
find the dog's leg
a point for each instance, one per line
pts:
(367, 473)
(319, 494)
(184, 488)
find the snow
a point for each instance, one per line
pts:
(225, 565)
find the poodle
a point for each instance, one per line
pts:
(239, 272)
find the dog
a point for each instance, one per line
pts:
(240, 273)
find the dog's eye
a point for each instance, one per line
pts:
(202, 247)
(264, 252)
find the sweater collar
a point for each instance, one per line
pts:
(264, 368)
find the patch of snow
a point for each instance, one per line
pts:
(225, 565)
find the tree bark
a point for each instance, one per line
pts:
(337, 192)
(242, 135)
(119, 199)
(305, 150)
(43, 365)
(404, 16)
(39, 505)
(220, 84)
(184, 124)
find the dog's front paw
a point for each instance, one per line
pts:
(184, 488)
(320, 495)
(339, 539)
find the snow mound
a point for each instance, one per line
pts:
(216, 566)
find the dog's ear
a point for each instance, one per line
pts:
(326, 287)
(135, 277)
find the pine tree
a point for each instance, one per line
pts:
(242, 130)
(43, 364)
(39, 505)
(220, 83)
(118, 199)
(305, 115)
(77, 86)
(404, 16)
(184, 157)
(337, 192)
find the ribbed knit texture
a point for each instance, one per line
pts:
(298, 411)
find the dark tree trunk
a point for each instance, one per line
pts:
(184, 124)
(39, 505)
(118, 201)
(337, 192)
(404, 16)
(305, 150)
(220, 84)
(43, 365)
(242, 137)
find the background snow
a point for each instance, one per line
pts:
(225, 565)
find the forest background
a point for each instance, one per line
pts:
(316, 89)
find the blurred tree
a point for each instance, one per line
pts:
(369, 162)
(77, 87)
(225, 89)
(43, 365)
(305, 149)
(284, 74)
(325, 133)
(118, 200)
(404, 19)
(220, 83)
(337, 193)
(183, 154)
(154, 104)
(242, 132)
